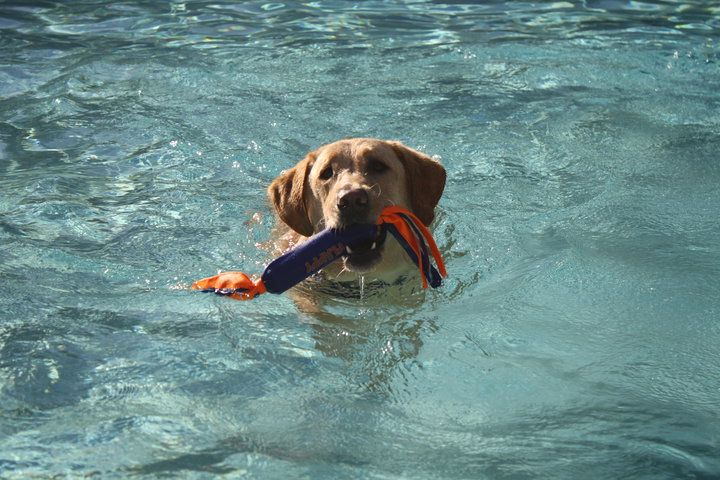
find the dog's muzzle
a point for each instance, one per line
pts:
(353, 206)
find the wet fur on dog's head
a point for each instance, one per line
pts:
(351, 181)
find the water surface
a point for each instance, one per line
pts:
(575, 338)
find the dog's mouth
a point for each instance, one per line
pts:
(363, 256)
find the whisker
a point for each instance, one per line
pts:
(379, 192)
(343, 270)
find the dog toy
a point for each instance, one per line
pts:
(327, 246)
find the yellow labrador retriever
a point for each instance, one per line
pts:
(351, 181)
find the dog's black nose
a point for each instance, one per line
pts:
(354, 204)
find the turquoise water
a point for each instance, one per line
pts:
(577, 335)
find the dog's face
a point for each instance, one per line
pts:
(351, 181)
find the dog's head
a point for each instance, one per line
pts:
(351, 181)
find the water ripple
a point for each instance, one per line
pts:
(219, 25)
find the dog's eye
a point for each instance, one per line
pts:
(376, 166)
(326, 173)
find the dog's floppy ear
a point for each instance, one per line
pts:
(425, 180)
(287, 194)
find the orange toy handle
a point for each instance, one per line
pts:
(416, 239)
(235, 285)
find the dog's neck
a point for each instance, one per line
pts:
(358, 289)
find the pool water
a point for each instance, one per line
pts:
(576, 337)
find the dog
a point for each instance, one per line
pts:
(349, 182)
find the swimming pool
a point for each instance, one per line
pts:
(575, 338)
